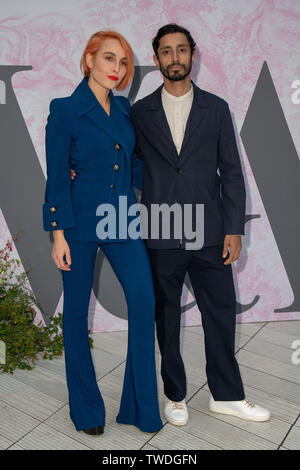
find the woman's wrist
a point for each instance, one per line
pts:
(58, 234)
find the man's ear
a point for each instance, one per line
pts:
(156, 61)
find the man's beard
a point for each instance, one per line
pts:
(176, 75)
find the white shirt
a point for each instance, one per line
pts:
(177, 110)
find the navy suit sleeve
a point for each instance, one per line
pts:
(57, 208)
(233, 192)
(137, 160)
(137, 169)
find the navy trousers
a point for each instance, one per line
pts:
(214, 291)
(139, 402)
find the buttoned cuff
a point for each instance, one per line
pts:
(57, 216)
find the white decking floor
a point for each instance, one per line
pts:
(34, 412)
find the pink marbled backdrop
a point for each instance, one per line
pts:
(234, 38)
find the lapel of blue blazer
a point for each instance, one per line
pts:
(194, 119)
(87, 104)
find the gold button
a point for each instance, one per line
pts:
(52, 209)
(54, 224)
(112, 186)
(116, 167)
(117, 146)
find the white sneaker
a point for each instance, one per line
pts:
(242, 409)
(176, 412)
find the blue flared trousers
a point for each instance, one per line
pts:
(139, 401)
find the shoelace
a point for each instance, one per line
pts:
(249, 403)
(178, 405)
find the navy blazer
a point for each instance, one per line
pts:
(207, 170)
(81, 135)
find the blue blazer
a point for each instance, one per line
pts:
(207, 170)
(100, 148)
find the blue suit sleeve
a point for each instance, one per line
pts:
(57, 208)
(233, 192)
(137, 162)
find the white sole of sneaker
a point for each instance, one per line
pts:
(239, 415)
(177, 423)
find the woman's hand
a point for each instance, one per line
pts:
(61, 249)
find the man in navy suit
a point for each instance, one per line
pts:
(186, 141)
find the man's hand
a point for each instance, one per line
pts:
(72, 174)
(234, 243)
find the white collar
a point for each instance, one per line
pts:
(176, 99)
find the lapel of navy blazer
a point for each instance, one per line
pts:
(158, 118)
(99, 147)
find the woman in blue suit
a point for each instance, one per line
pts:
(91, 130)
